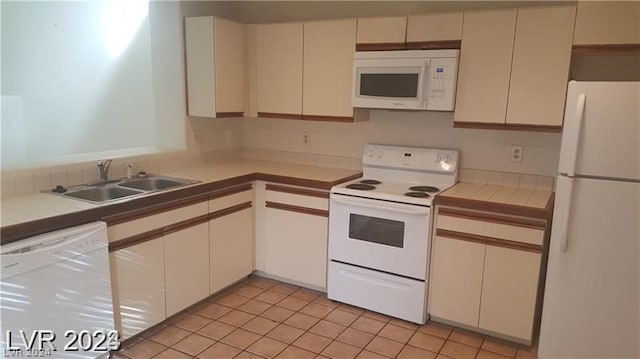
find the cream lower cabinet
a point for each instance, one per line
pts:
(292, 236)
(456, 280)
(230, 238)
(186, 266)
(484, 272)
(509, 288)
(137, 276)
(159, 264)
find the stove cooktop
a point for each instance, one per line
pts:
(403, 192)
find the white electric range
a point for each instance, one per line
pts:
(380, 228)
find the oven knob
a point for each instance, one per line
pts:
(371, 153)
(379, 154)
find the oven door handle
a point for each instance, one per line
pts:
(407, 209)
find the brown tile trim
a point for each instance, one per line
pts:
(137, 239)
(229, 114)
(461, 236)
(19, 231)
(295, 190)
(150, 211)
(433, 45)
(304, 182)
(514, 245)
(507, 126)
(609, 49)
(539, 213)
(286, 116)
(229, 191)
(486, 217)
(230, 210)
(157, 233)
(381, 46)
(297, 209)
(175, 227)
(489, 241)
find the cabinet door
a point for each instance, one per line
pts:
(509, 289)
(137, 273)
(199, 56)
(607, 22)
(229, 65)
(540, 68)
(279, 68)
(328, 67)
(382, 30)
(296, 246)
(434, 27)
(186, 267)
(231, 248)
(485, 66)
(455, 280)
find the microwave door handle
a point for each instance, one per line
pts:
(425, 73)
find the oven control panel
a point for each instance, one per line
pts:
(423, 159)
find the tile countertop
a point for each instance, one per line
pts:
(526, 202)
(42, 210)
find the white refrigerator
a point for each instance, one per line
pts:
(591, 300)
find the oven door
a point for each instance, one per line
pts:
(381, 235)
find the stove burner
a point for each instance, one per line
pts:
(370, 181)
(361, 186)
(429, 189)
(417, 194)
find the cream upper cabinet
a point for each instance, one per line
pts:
(540, 68)
(382, 30)
(215, 61)
(607, 22)
(328, 67)
(434, 27)
(514, 73)
(485, 66)
(279, 68)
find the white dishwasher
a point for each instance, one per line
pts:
(55, 295)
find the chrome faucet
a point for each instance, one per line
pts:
(103, 169)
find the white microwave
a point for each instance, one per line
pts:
(406, 80)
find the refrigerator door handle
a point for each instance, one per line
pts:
(572, 138)
(564, 193)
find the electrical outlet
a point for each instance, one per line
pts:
(229, 136)
(516, 153)
(305, 137)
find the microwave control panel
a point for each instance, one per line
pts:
(441, 87)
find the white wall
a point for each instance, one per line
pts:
(480, 149)
(78, 76)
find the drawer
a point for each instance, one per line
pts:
(230, 200)
(295, 196)
(160, 220)
(515, 229)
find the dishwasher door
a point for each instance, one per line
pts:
(57, 285)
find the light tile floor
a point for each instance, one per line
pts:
(263, 318)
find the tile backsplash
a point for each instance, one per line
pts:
(34, 180)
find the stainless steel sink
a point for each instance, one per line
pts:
(102, 194)
(154, 183)
(113, 190)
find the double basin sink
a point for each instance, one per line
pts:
(102, 192)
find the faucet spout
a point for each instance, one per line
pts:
(103, 170)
